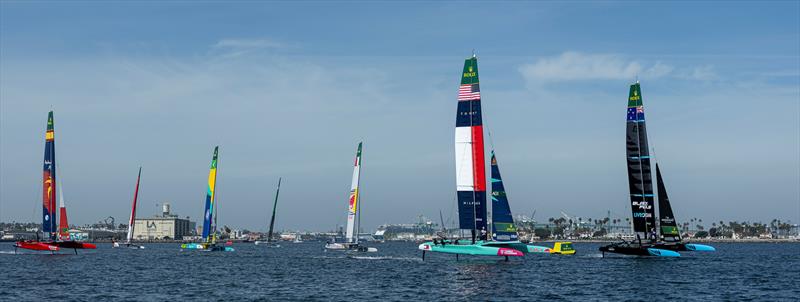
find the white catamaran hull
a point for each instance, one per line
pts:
(268, 244)
(349, 247)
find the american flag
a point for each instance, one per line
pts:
(469, 92)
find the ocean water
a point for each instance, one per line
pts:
(305, 272)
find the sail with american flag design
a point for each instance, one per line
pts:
(469, 153)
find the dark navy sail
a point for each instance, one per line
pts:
(639, 175)
(503, 228)
(49, 224)
(274, 207)
(669, 226)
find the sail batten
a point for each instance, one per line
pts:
(354, 198)
(639, 171)
(469, 152)
(209, 205)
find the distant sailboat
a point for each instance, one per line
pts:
(209, 239)
(353, 214)
(54, 238)
(269, 242)
(132, 221)
(640, 181)
(471, 186)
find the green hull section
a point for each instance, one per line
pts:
(480, 248)
(496, 248)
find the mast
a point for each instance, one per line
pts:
(503, 228)
(469, 153)
(639, 172)
(354, 197)
(210, 206)
(444, 228)
(49, 182)
(132, 220)
(274, 207)
(669, 226)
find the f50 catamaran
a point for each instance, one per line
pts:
(132, 221)
(54, 238)
(471, 186)
(209, 239)
(640, 182)
(269, 242)
(353, 214)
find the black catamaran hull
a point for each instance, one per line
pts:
(656, 249)
(634, 249)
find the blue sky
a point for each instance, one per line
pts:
(289, 88)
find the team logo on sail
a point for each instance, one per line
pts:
(470, 73)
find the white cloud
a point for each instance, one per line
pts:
(702, 73)
(248, 43)
(238, 46)
(571, 66)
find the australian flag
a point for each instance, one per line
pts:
(636, 113)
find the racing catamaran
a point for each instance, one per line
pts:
(353, 214)
(471, 186)
(269, 242)
(132, 221)
(53, 238)
(640, 182)
(209, 239)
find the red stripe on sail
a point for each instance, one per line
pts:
(478, 161)
(63, 225)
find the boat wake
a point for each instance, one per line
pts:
(385, 258)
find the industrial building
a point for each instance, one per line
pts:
(163, 226)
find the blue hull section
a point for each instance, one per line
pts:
(662, 253)
(700, 247)
(206, 247)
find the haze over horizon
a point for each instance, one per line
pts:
(288, 90)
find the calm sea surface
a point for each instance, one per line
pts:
(303, 271)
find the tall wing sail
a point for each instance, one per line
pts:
(274, 207)
(132, 220)
(353, 208)
(669, 226)
(49, 182)
(639, 175)
(503, 228)
(63, 224)
(209, 212)
(470, 162)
